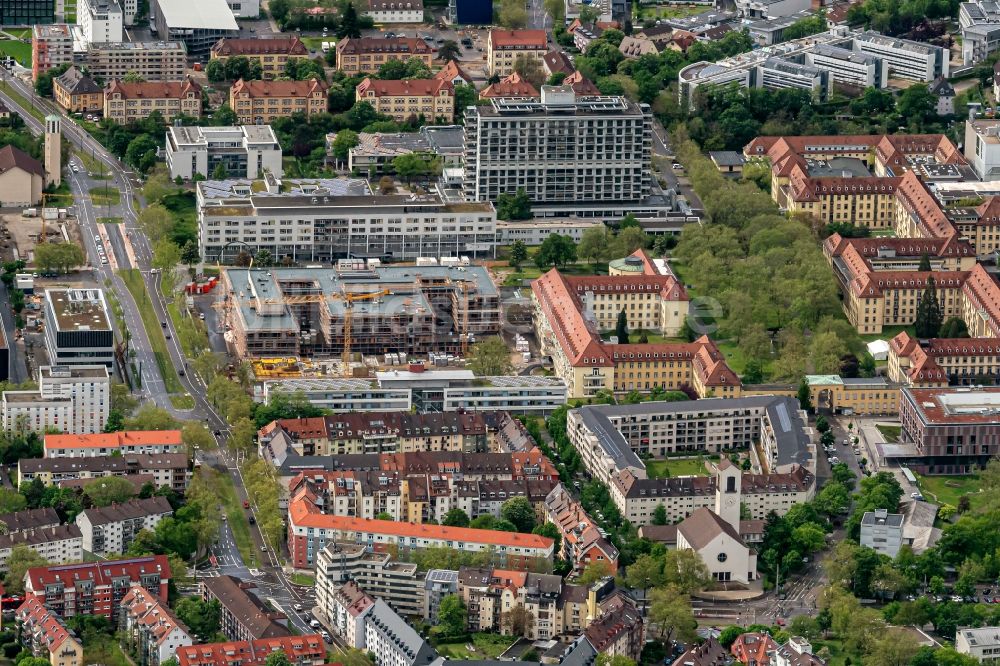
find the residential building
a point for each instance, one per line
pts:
(45, 634)
(165, 469)
(943, 362)
(707, 653)
(753, 648)
(308, 650)
(345, 610)
(583, 541)
(244, 151)
(123, 442)
(796, 652)
(396, 11)
(110, 530)
(392, 311)
(150, 629)
(945, 94)
(244, 616)
(393, 641)
(89, 389)
(770, 9)
(398, 584)
(432, 99)
(906, 59)
(979, 22)
(364, 55)
(719, 545)
(512, 85)
(199, 24)
(58, 544)
(438, 584)
(28, 520)
(273, 53)
(96, 588)
(27, 12)
(260, 102)
(981, 643)
(504, 47)
(28, 411)
(636, 47)
(947, 430)
(100, 21)
(559, 129)
(490, 593)
(309, 528)
(22, 178)
(51, 44)
(882, 531)
(77, 93)
(453, 72)
(126, 103)
(619, 630)
(153, 61)
(375, 151)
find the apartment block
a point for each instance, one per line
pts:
(583, 541)
(566, 151)
(260, 102)
(309, 529)
(396, 583)
(392, 640)
(308, 650)
(27, 411)
(332, 220)
(96, 588)
(78, 327)
(979, 22)
(163, 469)
(150, 629)
(244, 616)
(981, 643)
(101, 21)
(439, 584)
(51, 45)
(147, 442)
(489, 593)
(504, 47)
(396, 11)
(87, 386)
(77, 93)
(948, 430)
(110, 530)
(58, 544)
(882, 531)
(126, 103)
(273, 53)
(153, 61)
(393, 309)
(344, 607)
(45, 634)
(431, 99)
(905, 59)
(364, 55)
(244, 151)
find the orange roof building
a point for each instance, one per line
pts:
(308, 528)
(504, 47)
(272, 53)
(308, 650)
(103, 444)
(260, 102)
(127, 103)
(454, 73)
(45, 634)
(153, 631)
(513, 85)
(432, 99)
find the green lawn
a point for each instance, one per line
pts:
(529, 271)
(317, 42)
(237, 519)
(302, 579)
(103, 649)
(838, 655)
(19, 51)
(658, 469)
(487, 646)
(105, 195)
(22, 100)
(883, 233)
(20, 33)
(184, 401)
(191, 332)
(182, 205)
(889, 332)
(133, 280)
(890, 432)
(95, 167)
(949, 489)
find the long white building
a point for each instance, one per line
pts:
(322, 221)
(847, 67)
(979, 22)
(244, 151)
(906, 59)
(100, 21)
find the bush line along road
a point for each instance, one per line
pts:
(153, 386)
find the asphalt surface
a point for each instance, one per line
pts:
(272, 581)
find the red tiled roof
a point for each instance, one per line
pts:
(308, 649)
(501, 39)
(114, 440)
(101, 573)
(292, 46)
(583, 86)
(753, 648)
(405, 45)
(510, 86)
(984, 293)
(406, 87)
(279, 88)
(33, 615)
(451, 70)
(153, 89)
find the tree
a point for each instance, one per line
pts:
(60, 257)
(343, 142)
(530, 69)
(644, 573)
(215, 70)
(514, 206)
(925, 263)
(157, 185)
(621, 328)
(410, 165)
(451, 615)
(671, 616)
(224, 116)
(141, 152)
(449, 50)
(166, 257)
(895, 647)
(11, 500)
(604, 659)
(555, 250)
(685, 571)
(917, 105)
(519, 511)
(109, 490)
(150, 417)
(519, 621)
(277, 658)
(628, 240)
(954, 327)
(512, 14)
(220, 172)
(197, 437)
(155, 221)
(349, 25)
(729, 635)
(490, 358)
(805, 396)
(595, 571)
(202, 617)
(595, 244)
(552, 532)
(21, 559)
(518, 254)
(660, 515)
(456, 518)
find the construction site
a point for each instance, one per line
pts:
(359, 310)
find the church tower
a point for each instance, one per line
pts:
(53, 150)
(728, 479)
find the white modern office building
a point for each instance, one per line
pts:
(244, 151)
(88, 387)
(882, 531)
(779, 74)
(322, 221)
(905, 59)
(100, 21)
(982, 147)
(78, 327)
(980, 25)
(770, 9)
(982, 643)
(848, 67)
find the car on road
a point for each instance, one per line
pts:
(314, 623)
(297, 607)
(252, 520)
(917, 496)
(326, 636)
(180, 372)
(246, 504)
(263, 549)
(163, 324)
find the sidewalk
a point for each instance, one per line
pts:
(754, 591)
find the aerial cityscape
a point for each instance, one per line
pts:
(563, 332)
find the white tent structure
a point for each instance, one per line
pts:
(879, 349)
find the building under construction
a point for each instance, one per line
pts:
(357, 309)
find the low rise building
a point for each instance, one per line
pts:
(58, 544)
(583, 541)
(364, 55)
(947, 430)
(152, 61)
(796, 652)
(96, 588)
(308, 650)
(431, 99)
(272, 53)
(22, 178)
(981, 643)
(149, 442)
(244, 151)
(504, 47)
(753, 648)
(376, 151)
(244, 617)
(882, 531)
(77, 93)
(396, 583)
(396, 11)
(512, 85)
(45, 634)
(162, 470)
(261, 102)
(77, 325)
(126, 103)
(979, 22)
(110, 530)
(150, 629)
(719, 545)
(771, 9)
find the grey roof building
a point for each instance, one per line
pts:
(393, 641)
(882, 531)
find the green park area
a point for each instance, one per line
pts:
(484, 646)
(19, 51)
(659, 469)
